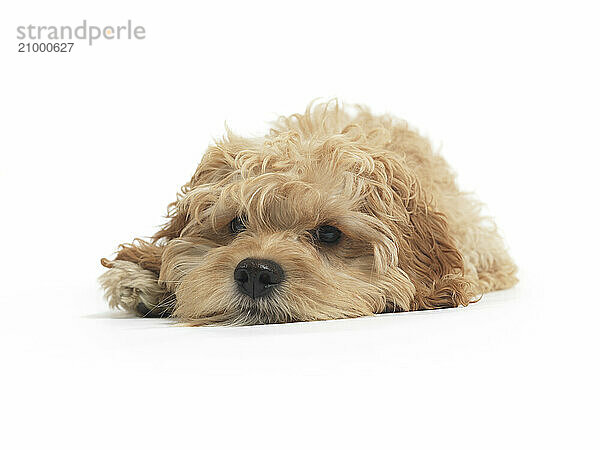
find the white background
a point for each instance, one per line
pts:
(95, 143)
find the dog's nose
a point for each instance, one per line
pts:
(256, 277)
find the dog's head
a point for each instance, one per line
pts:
(318, 220)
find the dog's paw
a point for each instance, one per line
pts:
(129, 287)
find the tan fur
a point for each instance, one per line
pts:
(126, 285)
(411, 239)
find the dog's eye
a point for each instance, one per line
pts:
(327, 234)
(237, 225)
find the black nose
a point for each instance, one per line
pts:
(256, 277)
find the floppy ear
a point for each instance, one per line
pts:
(132, 281)
(433, 263)
(146, 254)
(426, 251)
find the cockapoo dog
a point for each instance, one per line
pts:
(333, 214)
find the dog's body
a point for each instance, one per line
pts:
(329, 216)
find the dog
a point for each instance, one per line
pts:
(335, 213)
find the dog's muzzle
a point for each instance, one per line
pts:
(257, 277)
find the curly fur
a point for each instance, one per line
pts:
(129, 287)
(411, 239)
